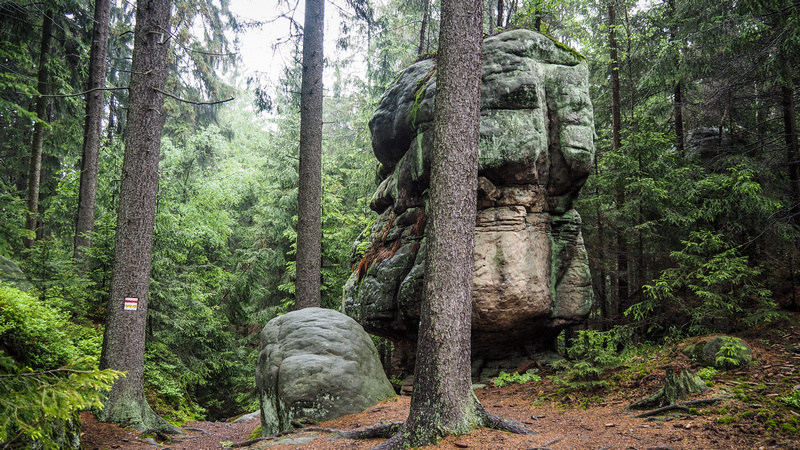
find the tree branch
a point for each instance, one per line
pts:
(192, 101)
(86, 92)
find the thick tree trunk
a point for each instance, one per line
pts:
(309, 193)
(442, 401)
(87, 194)
(35, 167)
(123, 343)
(792, 153)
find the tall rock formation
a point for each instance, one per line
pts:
(536, 150)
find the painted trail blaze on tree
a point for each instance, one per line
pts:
(123, 343)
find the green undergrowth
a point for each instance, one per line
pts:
(48, 372)
(606, 366)
(504, 378)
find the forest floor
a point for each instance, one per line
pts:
(757, 412)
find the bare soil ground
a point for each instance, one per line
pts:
(755, 416)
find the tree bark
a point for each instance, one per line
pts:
(677, 105)
(37, 142)
(677, 99)
(616, 115)
(790, 133)
(620, 303)
(500, 8)
(442, 401)
(123, 343)
(423, 27)
(309, 193)
(87, 195)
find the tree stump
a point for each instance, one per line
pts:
(676, 386)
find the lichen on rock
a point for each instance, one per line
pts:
(536, 150)
(319, 364)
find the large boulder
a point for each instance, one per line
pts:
(316, 363)
(536, 150)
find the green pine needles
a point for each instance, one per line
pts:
(47, 372)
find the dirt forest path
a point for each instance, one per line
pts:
(752, 414)
(604, 426)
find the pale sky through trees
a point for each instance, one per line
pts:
(258, 49)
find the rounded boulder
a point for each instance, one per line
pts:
(319, 364)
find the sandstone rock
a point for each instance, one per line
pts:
(733, 351)
(316, 363)
(536, 151)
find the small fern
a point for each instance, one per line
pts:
(504, 378)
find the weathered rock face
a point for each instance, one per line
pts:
(316, 363)
(536, 150)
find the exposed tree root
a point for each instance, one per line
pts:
(499, 423)
(403, 439)
(252, 441)
(682, 406)
(660, 411)
(705, 401)
(383, 430)
(547, 444)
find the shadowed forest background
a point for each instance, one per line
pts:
(690, 216)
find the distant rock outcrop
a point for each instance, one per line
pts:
(536, 150)
(319, 364)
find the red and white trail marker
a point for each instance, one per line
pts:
(131, 303)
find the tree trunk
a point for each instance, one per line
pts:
(87, 194)
(442, 401)
(423, 27)
(616, 116)
(35, 168)
(500, 8)
(792, 154)
(678, 112)
(621, 276)
(123, 343)
(309, 192)
(677, 100)
(678, 384)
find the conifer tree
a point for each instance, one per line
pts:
(123, 343)
(309, 194)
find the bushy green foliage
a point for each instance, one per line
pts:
(731, 353)
(723, 286)
(47, 369)
(503, 378)
(707, 373)
(12, 220)
(56, 279)
(591, 353)
(711, 285)
(792, 399)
